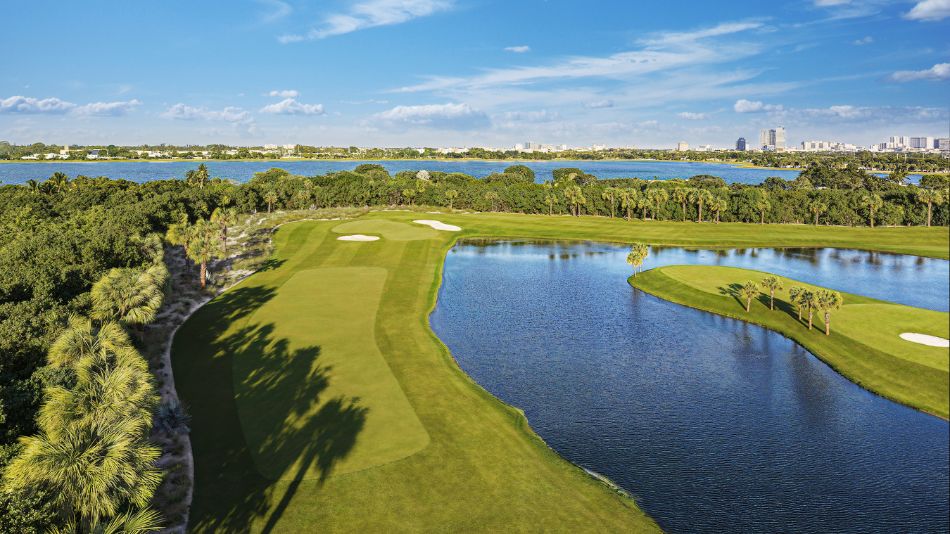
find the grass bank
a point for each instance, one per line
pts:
(864, 344)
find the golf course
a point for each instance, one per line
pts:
(320, 397)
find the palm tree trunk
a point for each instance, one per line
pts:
(811, 314)
(204, 274)
(772, 299)
(762, 217)
(872, 217)
(827, 323)
(700, 212)
(816, 219)
(929, 212)
(684, 211)
(748, 304)
(799, 314)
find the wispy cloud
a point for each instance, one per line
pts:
(692, 116)
(754, 106)
(185, 112)
(599, 104)
(940, 71)
(55, 106)
(370, 14)
(520, 49)
(284, 93)
(290, 106)
(277, 9)
(449, 115)
(863, 41)
(929, 10)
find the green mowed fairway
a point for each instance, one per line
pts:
(320, 328)
(864, 344)
(321, 399)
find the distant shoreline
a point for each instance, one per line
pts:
(742, 165)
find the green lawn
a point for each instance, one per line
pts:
(864, 344)
(321, 399)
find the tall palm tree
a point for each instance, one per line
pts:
(794, 294)
(929, 197)
(626, 201)
(200, 241)
(81, 339)
(129, 296)
(492, 196)
(719, 205)
(451, 195)
(873, 202)
(643, 203)
(658, 196)
(827, 301)
(809, 299)
(638, 254)
(551, 200)
(270, 197)
(700, 197)
(609, 194)
(817, 207)
(224, 219)
(772, 283)
(575, 197)
(749, 291)
(681, 195)
(762, 204)
(197, 177)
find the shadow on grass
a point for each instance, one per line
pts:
(276, 389)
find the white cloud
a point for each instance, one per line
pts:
(371, 14)
(188, 113)
(929, 10)
(107, 109)
(278, 10)
(30, 105)
(827, 3)
(599, 104)
(520, 49)
(658, 52)
(754, 106)
(691, 116)
(940, 71)
(451, 116)
(284, 93)
(863, 41)
(290, 106)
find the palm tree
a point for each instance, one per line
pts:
(451, 195)
(551, 200)
(817, 207)
(409, 194)
(762, 204)
(610, 194)
(681, 195)
(929, 197)
(225, 218)
(32, 185)
(809, 299)
(643, 203)
(658, 196)
(200, 243)
(794, 294)
(638, 254)
(719, 205)
(626, 201)
(700, 197)
(130, 296)
(80, 339)
(197, 177)
(270, 197)
(749, 291)
(873, 203)
(575, 197)
(492, 197)
(827, 301)
(772, 283)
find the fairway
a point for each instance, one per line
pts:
(314, 394)
(864, 344)
(320, 396)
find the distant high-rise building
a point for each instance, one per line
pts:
(923, 143)
(682, 146)
(740, 144)
(773, 139)
(942, 143)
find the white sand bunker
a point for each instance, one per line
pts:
(924, 339)
(358, 237)
(437, 225)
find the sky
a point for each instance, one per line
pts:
(473, 72)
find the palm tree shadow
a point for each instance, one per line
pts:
(733, 290)
(258, 413)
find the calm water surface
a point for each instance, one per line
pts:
(241, 171)
(713, 424)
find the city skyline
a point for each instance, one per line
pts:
(447, 73)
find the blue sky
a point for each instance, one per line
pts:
(473, 72)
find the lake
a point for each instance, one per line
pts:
(714, 425)
(241, 171)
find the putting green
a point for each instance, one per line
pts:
(314, 394)
(397, 231)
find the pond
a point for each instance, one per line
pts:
(712, 424)
(242, 171)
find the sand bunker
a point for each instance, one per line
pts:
(358, 237)
(924, 339)
(437, 225)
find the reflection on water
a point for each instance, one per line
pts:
(714, 424)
